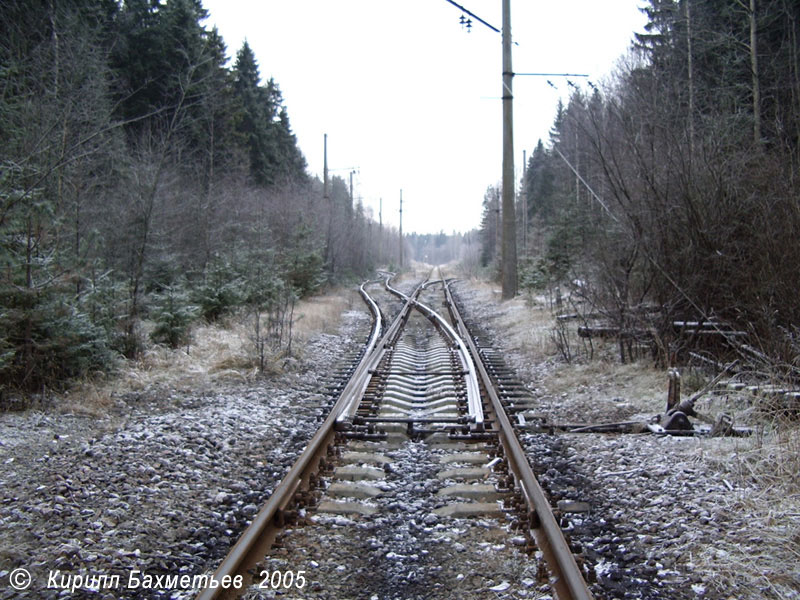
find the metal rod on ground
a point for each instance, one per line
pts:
(713, 382)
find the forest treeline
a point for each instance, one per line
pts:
(142, 177)
(441, 248)
(676, 181)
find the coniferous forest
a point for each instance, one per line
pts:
(162, 240)
(144, 175)
(149, 174)
(674, 182)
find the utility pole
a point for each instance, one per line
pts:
(690, 70)
(498, 232)
(509, 245)
(509, 252)
(328, 255)
(524, 201)
(325, 170)
(401, 229)
(352, 200)
(577, 168)
(756, 75)
(380, 231)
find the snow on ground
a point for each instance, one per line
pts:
(163, 482)
(670, 518)
(163, 468)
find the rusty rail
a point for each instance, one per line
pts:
(259, 536)
(566, 576)
(354, 389)
(257, 539)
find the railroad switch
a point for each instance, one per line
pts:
(677, 420)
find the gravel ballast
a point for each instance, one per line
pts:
(669, 517)
(161, 486)
(165, 482)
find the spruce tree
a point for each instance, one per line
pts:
(272, 147)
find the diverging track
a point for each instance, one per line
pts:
(415, 486)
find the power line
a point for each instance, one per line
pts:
(473, 15)
(588, 187)
(550, 74)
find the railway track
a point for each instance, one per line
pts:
(415, 472)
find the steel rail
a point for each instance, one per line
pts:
(355, 388)
(474, 405)
(257, 538)
(376, 313)
(567, 579)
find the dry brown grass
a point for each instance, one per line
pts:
(322, 314)
(762, 559)
(757, 552)
(218, 353)
(87, 398)
(525, 323)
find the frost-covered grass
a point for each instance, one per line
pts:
(756, 552)
(761, 557)
(322, 314)
(217, 353)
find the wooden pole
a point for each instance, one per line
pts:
(328, 256)
(509, 250)
(325, 169)
(401, 229)
(754, 68)
(524, 200)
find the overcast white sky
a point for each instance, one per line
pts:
(413, 101)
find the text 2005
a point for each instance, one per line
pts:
(282, 579)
